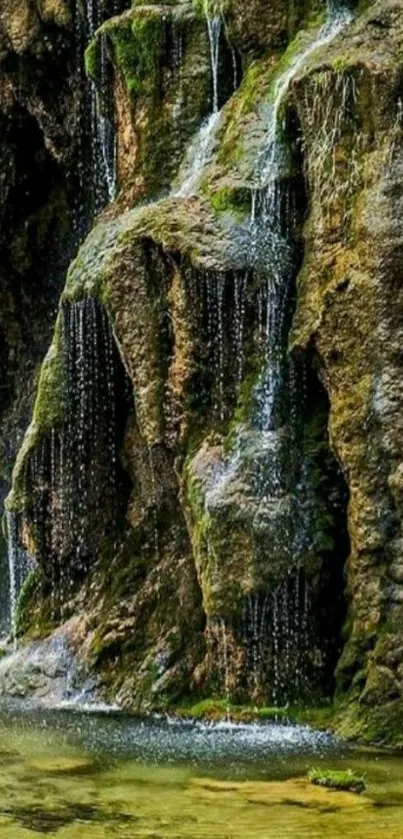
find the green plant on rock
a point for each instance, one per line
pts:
(343, 781)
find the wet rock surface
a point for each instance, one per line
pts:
(248, 539)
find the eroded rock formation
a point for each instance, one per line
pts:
(211, 481)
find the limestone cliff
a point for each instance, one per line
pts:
(211, 481)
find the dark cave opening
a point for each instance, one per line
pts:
(328, 524)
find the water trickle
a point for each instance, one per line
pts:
(234, 67)
(106, 129)
(98, 141)
(276, 632)
(89, 434)
(154, 500)
(73, 473)
(269, 162)
(19, 566)
(213, 311)
(198, 155)
(12, 570)
(240, 285)
(225, 666)
(177, 61)
(214, 31)
(220, 282)
(201, 148)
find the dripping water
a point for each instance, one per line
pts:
(72, 474)
(98, 140)
(279, 628)
(214, 26)
(12, 570)
(273, 220)
(225, 667)
(240, 284)
(277, 636)
(19, 566)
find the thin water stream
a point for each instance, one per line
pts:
(71, 776)
(201, 148)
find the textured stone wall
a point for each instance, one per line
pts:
(169, 608)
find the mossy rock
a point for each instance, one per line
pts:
(343, 781)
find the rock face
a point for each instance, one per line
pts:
(212, 477)
(37, 148)
(345, 290)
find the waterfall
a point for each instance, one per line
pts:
(96, 117)
(272, 222)
(198, 155)
(72, 473)
(272, 225)
(200, 150)
(214, 33)
(88, 470)
(277, 626)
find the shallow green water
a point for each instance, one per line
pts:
(74, 775)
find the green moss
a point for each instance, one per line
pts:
(49, 411)
(306, 13)
(347, 780)
(228, 199)
(382, 726)
(216, 709)
(321, 717)
(49, 406)
(340, 64)
(247, 392)
(92, 59)
(233, 143)
(136, 42)
(28, 595)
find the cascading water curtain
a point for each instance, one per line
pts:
(276, 625)
(277, 635)
(71, 478)
(221, 303)
(88, 455)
